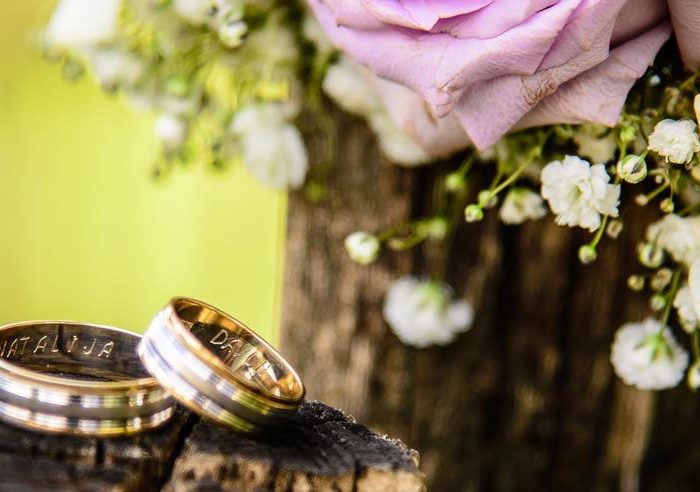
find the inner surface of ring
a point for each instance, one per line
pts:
(76, 351)
(241, 350)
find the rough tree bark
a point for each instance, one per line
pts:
(524, 401)
(321, 449)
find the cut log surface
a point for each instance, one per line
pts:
(322, 449)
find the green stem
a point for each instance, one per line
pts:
(696, 344)
(657, 191)
(599, 232)
(509, 180)
(675, 280)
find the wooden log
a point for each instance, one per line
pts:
(524, 401)
(322, 449)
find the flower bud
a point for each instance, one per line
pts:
(455, 182)
(657, 302)
(436, 228)
(641, 200)
(362, 247)
(666, 205)
(632, 168)
(587, 254)
(473, 213)
(650, 255)
(486, 199)
(694, 376)
(635, 282)
(614, 229)
(661, 279)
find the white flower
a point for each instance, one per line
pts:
(113, 67)
(171, 130)
(362, 247)
(273, 149)
(685, 308)
(521, 204)
(396, 145)
(347, 83)
(679, 236)
(579, 193)
(675, 140)
(424, 313)
(595, 142)
(79, 24)
(231, 34)
(195, 12)
(646, 355)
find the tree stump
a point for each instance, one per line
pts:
(524, 401)
(322, 449)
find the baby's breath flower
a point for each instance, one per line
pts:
(362, 247)
(679, 236)
(347, 84)
(521, 204)
(579, 193)
(83, 24)
(423, 313)
(273, 149)
(646, 355)
(675, 140)
(171, 131)
(195, 12)
(115, 67)
(683, 303)
(231, 34)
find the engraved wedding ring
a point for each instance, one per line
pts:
(85, 379)
(77, 378)
(220, 368)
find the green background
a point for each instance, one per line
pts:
(86, 234)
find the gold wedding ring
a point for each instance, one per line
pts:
(77, 378)
(220, 368)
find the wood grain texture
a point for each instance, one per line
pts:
(323, 449)
(527, 399)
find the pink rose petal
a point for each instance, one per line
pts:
(598, 95)
(686, 22)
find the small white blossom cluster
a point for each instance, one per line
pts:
(675, 141)
(579, 194)
(197, 64)
(273, 149)
(424, 312)
(349, 85)
(646, 355)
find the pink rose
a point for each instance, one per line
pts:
(477, 69)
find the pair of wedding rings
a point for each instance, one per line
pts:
(86, 379)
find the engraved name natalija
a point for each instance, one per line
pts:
(17, 346)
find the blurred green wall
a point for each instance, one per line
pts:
(86, 234)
